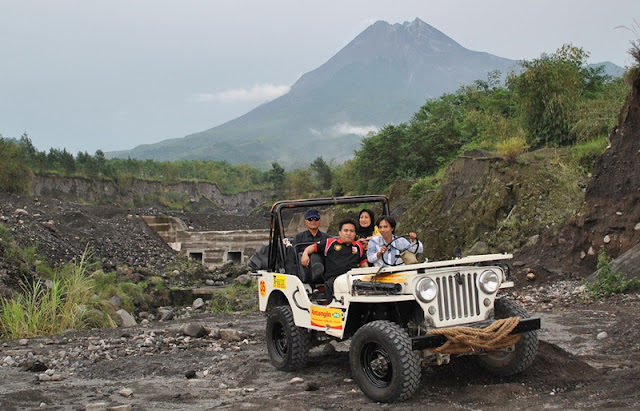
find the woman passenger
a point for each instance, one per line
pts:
(366, 229)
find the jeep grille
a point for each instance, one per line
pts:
(457, 296)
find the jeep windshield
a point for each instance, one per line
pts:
(287, 217)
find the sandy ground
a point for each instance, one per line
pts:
(572, 370)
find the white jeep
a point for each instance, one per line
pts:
(398, 318)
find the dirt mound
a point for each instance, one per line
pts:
(60, 231)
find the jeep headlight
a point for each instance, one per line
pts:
(489, 281)
(426, 289)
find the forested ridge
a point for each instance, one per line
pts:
(555, 100)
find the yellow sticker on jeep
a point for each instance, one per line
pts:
(388, 278)
(326, 317)
(263, 288)
(279, 281)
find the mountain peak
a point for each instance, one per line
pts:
(417, 24)
(395, 40)
(382, 76)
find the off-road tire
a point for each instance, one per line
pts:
(287, 344)
(505, 364)
(383, 363)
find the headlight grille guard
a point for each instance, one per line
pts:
(372, 287)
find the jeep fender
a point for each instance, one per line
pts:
(282, 289)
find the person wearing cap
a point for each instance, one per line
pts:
(313, 233)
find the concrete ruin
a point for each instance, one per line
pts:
(211, 248)
(216, 248)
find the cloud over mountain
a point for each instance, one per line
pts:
(258, 93)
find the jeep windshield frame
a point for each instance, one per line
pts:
(277, 248)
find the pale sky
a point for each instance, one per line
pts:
(112, 74)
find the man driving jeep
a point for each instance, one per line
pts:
(386, 249)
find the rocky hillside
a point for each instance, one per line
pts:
(609, 218)
(536, 206)
(495, 205)
(554, 220)
(191, 195)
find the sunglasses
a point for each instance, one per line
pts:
(313, 219)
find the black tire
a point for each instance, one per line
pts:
(287, 344)
(383, 363)
(509, 363)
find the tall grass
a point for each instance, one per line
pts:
(512, 147)
(585, 154)
(428, 183)
(45, 310)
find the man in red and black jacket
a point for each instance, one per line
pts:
(340, 254)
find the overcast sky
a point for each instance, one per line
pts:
(112, 74)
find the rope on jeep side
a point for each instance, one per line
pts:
(466, 339)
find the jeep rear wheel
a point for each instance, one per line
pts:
(506, 363)
(383, 363)
(287, 344)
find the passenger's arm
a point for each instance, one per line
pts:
(304, 260)
(413, 237)
(375, 251)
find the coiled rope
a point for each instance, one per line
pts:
(466, 339)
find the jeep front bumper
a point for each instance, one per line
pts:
(422, 342)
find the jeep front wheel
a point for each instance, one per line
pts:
(287, 344)
(383, 363)
(506, 363)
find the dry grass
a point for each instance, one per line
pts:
(512, 147)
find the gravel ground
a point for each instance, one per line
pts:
(587, 359)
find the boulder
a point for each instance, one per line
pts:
(126, 319)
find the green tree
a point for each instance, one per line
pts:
(596, 114)
(102, 166)
(344, 181)
(14, 174)
(67, 162)
(321, 172)
(414, 149)
(547, 92)
(276, 175)
(299, 184)
(28, 149)
(378, 161)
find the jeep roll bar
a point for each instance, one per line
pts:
(277, 248)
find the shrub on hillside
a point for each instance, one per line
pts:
(607, 281)
(585, 154)
(14, 174)
(512, 147)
